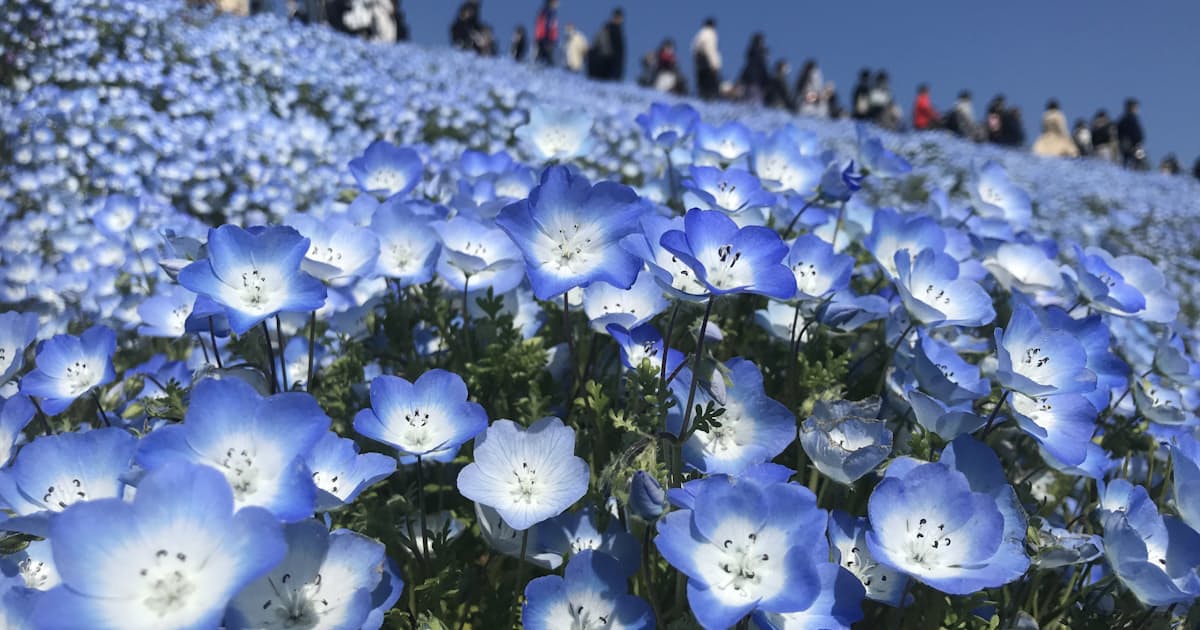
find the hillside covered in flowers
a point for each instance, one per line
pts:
(299, 331)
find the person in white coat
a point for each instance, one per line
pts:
(706, 53)
(575, 49)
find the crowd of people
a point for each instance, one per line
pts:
(602, 58)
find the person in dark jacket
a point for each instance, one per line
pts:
(860, 100)
(754, 77)
(1012, 128)
(606, 57)
(519, 48)
(706, 56)
(545, 32)
(1104, 137)
(402, 33)
(1196, 168)
(1130, 136)
(463, 29)
(777, 94)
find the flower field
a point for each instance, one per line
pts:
(298, 331)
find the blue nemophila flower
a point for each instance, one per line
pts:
(1062, 424)
(844, 439)
(837, 607)
(848, 541)
(818, 269)
(877, 160)
(592, 593)
(745, 547)
(556, 134)
(727, 259)
(254, 274)
(732, 190)
(674, 275)
(172, 558)
(572, 533)
(1185, 452)
(892, 231)
(527, 475)
(941, 372)
(1023, 267)
(475, 256)
(259, 444)
(119, 213)
(17, 603)
(1036, 360)
(15, 414)
(568, 231)
(1156, 557)
(606, 305)
(647, 499)
(326, 580)
(1092, 332)
(947, 421)
(782, 167)
(1059, 547)
(54, 472)
(17, 331)
(477, 164)
(668, 125)
(386, 170)
(955, 524)
(754, 428)
(1161, 401)
(1125, 285)
(722, 145)
(995, 197)
(33, 566)
(69, 367)
(339, 252)
(340, 472)
(427, 416)
(408, 246)
(165, 313)
(642, 344)
(840, 181)
(935, 295)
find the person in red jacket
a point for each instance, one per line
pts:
(545, 32)
(924, 114)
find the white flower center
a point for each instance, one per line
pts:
(925, 542)
(254, 288)
(35, 573)
(723, 272)
(62, 495)
(295, 605)
(524, 485)
(416, 429)
(386, 179)
(873, 575)
(571, 248)
(935, 296)
(167, 582)
(80, 376)
(402, 254)
(741, 563)
(240, 472)
(327, 255)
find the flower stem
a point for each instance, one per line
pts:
(212, 335)
(283, 380)
(312, 349)
(466, 317)
(520, 589)
(203, 347)
(837, 227)
(100, 408)
(891, 355)
(421, 511)
(677, 462)
(987, 428)
(648, 573)
(662, 373)
(807, 204)
(270, 357)
(45, 418)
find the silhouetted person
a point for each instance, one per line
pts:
(1169, 165)
(666, 67)
(925, 116)
(1130, 136)
(575, 49)
(961, 119)
(833, 105)
(1082, 136)
(1054, 141)
(1104, 136)
(1196, 169)
(545, 32)
(1012, 128)
(995, 119)
(402, 33)
(754, 77)
(463, 29)
(810, 87)
(777, 94)
(706, 55)
(860, 101)
(880, 97)
(519, 48)
(606, 58)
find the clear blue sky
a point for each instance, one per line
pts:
(1087, 54)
